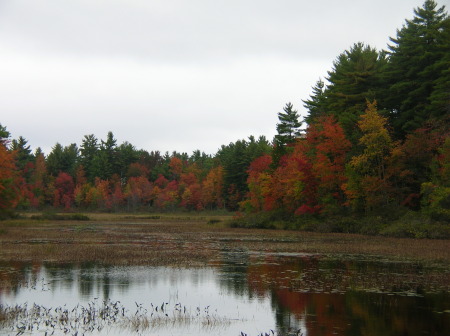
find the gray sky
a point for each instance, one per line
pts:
(173, 74)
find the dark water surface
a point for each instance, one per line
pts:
(244, 292)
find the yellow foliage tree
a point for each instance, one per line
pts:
(370, 172)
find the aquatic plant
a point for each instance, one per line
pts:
(97, 315)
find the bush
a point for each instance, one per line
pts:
(263, 220)
(396, 223)
(53, 216)
(417, 225)
(436, 201)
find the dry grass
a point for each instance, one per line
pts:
(185, 240)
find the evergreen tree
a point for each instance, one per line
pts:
(88, 150)
(109, 148)
(288, 130)
(355, 78)
(289, 126)
(62, 159)
(418, 73)
(315, 105)
(22, 151)
(235, 159)
(126, 155)
(4, 135)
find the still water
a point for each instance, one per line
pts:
(243, 293)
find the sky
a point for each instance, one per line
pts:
(173, 75)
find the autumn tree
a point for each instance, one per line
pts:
(259, 184)
(167, 198)
(190, 190)
(327, 148)
(294, 185)
(212, 188)
(176, 167)
(138, 192)
(136, 169)
(436, 193)
(64, 191)
(9, 192)
(370, 172)
(37, 182)
(24, 161)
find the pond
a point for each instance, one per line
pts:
(243, 293)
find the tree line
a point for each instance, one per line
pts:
(376, 137)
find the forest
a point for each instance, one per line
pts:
(371, 156)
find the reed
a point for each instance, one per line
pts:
(96, 316)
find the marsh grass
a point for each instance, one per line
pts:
(186, 241)
(97, 315)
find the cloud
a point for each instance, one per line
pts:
(172, 75)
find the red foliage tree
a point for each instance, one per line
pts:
(9, 193)
(327, 147)
(138, 192)
(64, 191)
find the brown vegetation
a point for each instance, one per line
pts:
(185, 240)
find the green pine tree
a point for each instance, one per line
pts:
(288, 130)
(356, 77)
(315, 105)
(418, 74)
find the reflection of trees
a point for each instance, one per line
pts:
(61, 275)
(383, 314)
(331, 295)
(13, 275)
(95, 278)
(90, 278)
(86, 280)
(234, 269)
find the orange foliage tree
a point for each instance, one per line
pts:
(259, 181)
(138, 192)
(9, 193)
(212, 188)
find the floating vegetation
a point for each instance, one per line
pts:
(97, 315)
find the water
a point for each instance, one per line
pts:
(252, 293)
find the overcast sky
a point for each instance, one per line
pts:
(173, 74)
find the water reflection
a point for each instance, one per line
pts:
(254, 293)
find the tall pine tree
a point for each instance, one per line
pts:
(418, 74)
(288, 130)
